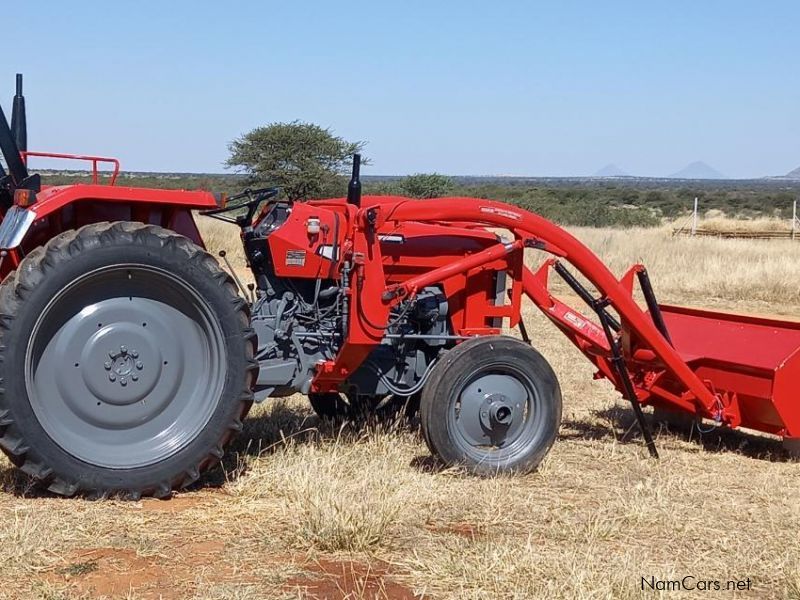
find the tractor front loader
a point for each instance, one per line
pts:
(128, 357)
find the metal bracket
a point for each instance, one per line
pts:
(610, 325)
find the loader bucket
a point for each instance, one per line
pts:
(755, 358)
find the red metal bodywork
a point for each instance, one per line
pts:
(738, 371)
(59, 208)
(752, 359)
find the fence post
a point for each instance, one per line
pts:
(694, 217)
(794, 218)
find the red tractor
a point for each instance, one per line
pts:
(128, 357)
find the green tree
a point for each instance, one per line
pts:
(426, 185)
(305, 160)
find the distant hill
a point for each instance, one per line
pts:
(697, 170)
(611, 170)
(793, 174)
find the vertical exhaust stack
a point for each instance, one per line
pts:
(19, 121)
(354, 187)
(17, 176)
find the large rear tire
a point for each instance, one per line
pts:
(491, 405)
(126, 361)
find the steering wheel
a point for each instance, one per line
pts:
(249, 200)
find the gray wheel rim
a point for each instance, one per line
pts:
(125, 366)
(495, 417)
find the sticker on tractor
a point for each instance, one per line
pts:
(391, 238)
(575, 320)
(295, 258)
(328, 252)
(501, 212)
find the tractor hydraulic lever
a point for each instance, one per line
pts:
(224, 256)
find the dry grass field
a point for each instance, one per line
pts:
(302, 510)
(717, 221)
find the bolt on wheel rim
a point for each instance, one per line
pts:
(495, 414)
(125, 366)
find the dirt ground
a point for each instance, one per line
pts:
(302, 510)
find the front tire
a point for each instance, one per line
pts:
(491, 404)
(126, 361)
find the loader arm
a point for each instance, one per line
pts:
(533, 231)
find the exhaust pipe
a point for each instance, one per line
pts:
(354, 187)
(17, 170)
(17, 176)
(19, 121)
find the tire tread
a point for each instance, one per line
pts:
(35, 268)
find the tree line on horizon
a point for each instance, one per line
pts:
(308, 161)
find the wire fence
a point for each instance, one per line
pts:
(692, 227)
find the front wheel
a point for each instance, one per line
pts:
(126, 361)
(491, 404)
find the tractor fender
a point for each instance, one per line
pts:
(18, 220)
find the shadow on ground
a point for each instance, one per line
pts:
(266, 431)
(619, 423)
(269, 430)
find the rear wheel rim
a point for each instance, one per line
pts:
(125, 366)
(496, 415)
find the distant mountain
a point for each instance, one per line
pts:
(793, 174)
(611, 170)
(697, 170)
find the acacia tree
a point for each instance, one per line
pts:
(426, 185)
(305, 160)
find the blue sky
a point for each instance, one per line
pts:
(520, 88)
